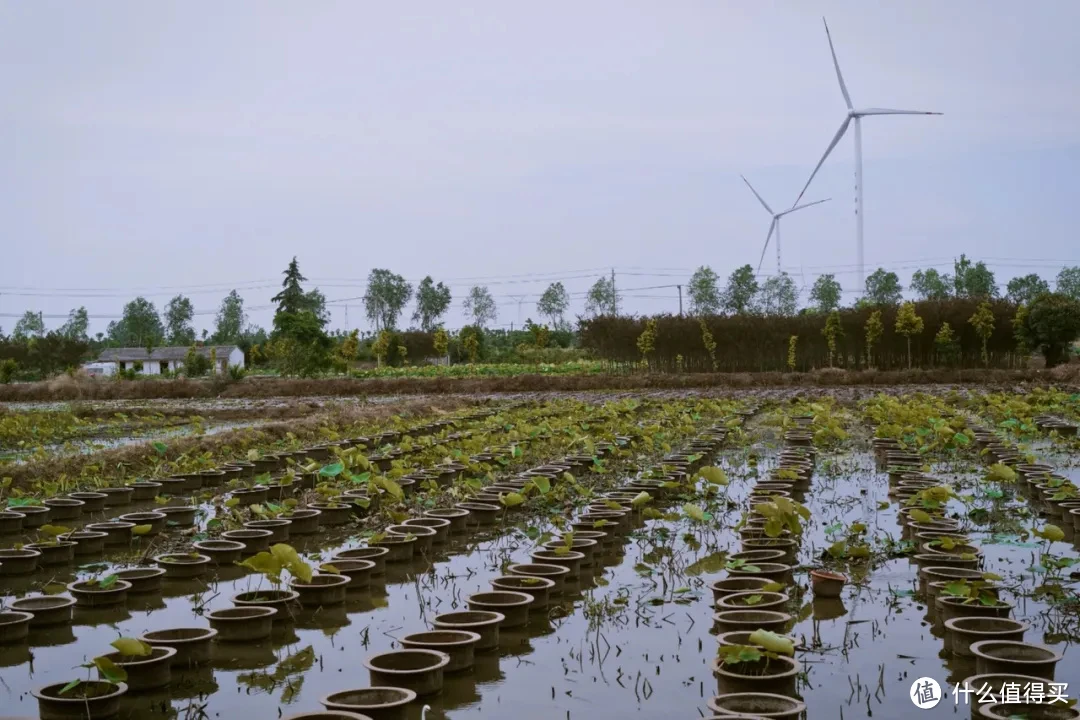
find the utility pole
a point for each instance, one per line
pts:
(346, 318)
(614, 295)
(680, 299)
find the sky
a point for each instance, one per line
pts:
(194, 147)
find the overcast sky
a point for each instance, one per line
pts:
(157, 146)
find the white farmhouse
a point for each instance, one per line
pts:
(162, 359)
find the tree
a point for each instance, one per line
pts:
(315, 303)
(742, 288)
(76, 326)
(973, 281)
(1019, 326)
(29, 325)
(553, 304)
(884, 288)
(983, 322)
(1068, 282)
(1051, 324)
(291, 299)
(778, 296)
(832, 331)
(441, 342)
(948, 347)
(908, 323)
(704, 292)
(349, 347)
(646, 341)
(140, 325)
(709, 343)
(792, 346)
(432, 302)
(1022, 290)
(481, 306)
(470, 342)
(874, 329)
(231, 319)
(603, 298)
(381, 346)
(386, 296)
(826, 293)
(178, 315)
(931, 285)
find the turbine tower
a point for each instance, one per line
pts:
(775, 224)
(854, 117)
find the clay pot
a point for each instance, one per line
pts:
(425, 536)
(64, 508)
(483, 623)
(192, 645)
(103, 701)
(536, 587)
(243, 624)
(18, 562)
(827, 584)
(570, 560)
(418, 670)
(757, 704)
(930, 573)
(89, 594)
(14, 626)
(87, 542)
(400, 547)
(156, 520)
(305, 521)
(994, 684)
(514, 606)
(731, 620)
(358, 572)
(146, 673)
(47, 610)
(752, 557)
(143, 580)
(255, 541)
(179, 515)
(555, 573)
(776, 572)
(1009, 656)
(441, 526)
(772, 675)
(34, 516)
(93, 502)
(279, 599)
(11, 522)
(326, 715)
(732, 585)
(745, 601)
(962, 632)
(742, 637)
(459, 645)
(183, 566)
(950, 607)
(279, 529)
(376, 555)
(457, 517)
(321, 591)
(480, 513)
(939, 560)
(1028, 711)
(249, 496)
(221, 552)
(144, 490)
(376, 703)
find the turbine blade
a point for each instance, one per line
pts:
(890, 111)
(836, 64)
(760, 199)
(835, 140)
(804, 205)
(772, 226)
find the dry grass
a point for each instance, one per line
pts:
(88, 389)
(306, 429)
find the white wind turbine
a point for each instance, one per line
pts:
(775, 224)
(854, 117)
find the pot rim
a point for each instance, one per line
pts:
(467, 637)
(828, 575)
(52, 602)
(332, 580)
(252, 612)
(518, 600)
(115, 589)
(206, 635)
(438, 658)
(795, 705)
(406, 696)
(493, 618)
(955, 623)
(39, 693)
(170, 559)
(978, 649)
(167, 653)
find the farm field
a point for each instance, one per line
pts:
(649, 553)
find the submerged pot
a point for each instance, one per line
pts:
(483, 623)
(557, 574)
(91, 699)
(514, 606)
(772, 675)
(143, 580)
(254, 541)
(1009, 656)
(47, 610)
(221, 552)
(14, 626)
(399, 548)
(117, 532)
(376, 555)
(456, 516)
(146, 673)
(322, 590)
(280, 599)
(358, 572)
(305, 521)
(757, 704)
(418, 670)
(962, 632)
(192, 645)
(536, 587)
(243, 624)
(377, 703)
(18, 562)
(1028, 711)
(279, 529)
(192, 565)
(88, 593)
(60, 552)
(732, 585)
(156, 520)
(570, 560)
(750, 620)
(480, 513)
(459, 645)
(774, 601)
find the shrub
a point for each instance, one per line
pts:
(1051, 324)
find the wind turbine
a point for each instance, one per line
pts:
(854, 117)
(775, 224)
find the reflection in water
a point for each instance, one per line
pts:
(828, 608)
(51, 636)
(100, 616)
(242, 656)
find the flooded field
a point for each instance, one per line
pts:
(659, 496)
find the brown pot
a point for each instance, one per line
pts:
(483, 623)
(183, 566)
(47, 610)
(777, 675)
(156, 520)
(305, 521)
(557, 574)
(514, 606)
(459, 645)
(774, 601)
(18, 562)
(457, 517)
(143, 580)
(962, 632)
(570, 560)
(827, 584)
(192, 645)
(279, 529)
(418, 670)
(221, 552)
(255, 541)
(376, 703)
(730, 586)
(358, 572)
(376, 555)
(757, 704)
(731, 620)
(536, 587)
(249, 623)
(14, 626)
(1008, 656)
(321, 591)
(146, 673)
(90, 594)
(104, 702)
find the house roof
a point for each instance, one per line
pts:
(161, 353)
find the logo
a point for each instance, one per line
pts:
(925, 693)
